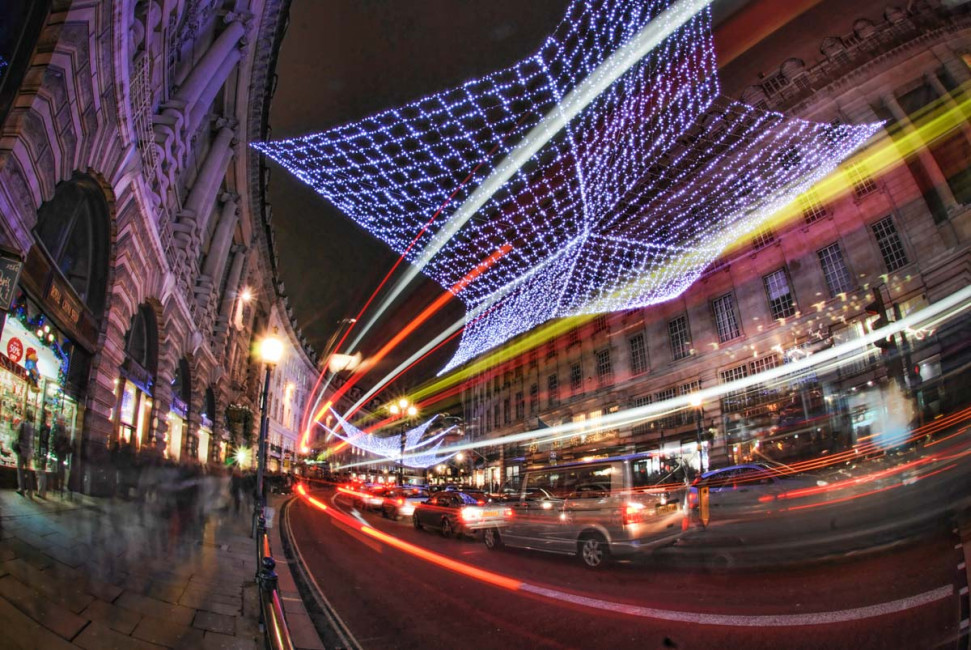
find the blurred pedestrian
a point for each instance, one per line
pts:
(25, 451)
(43, 452)
(62, 451)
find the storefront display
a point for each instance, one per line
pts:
(33, 367)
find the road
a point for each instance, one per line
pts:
(904, 596)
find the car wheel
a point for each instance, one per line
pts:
(416, 521)
(492, 539)
(447, 530)
(592, 549)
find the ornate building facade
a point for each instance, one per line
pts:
(129, 192)
(898, 238)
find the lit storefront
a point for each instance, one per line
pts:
(135, 409)
(34, 362)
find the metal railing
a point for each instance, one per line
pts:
(276, 634)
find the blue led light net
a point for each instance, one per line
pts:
(623, 207)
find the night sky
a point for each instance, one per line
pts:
(342, 60)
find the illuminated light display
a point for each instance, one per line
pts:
(418, 453)
(606, 164)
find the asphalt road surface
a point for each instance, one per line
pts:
(907, 594)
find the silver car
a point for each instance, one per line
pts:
(590, 509)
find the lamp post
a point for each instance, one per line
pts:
(403, 408)
(699, 416)
(270, 351)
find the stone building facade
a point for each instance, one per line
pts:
(128, 190)
(900, 237)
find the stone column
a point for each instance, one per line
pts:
(216, 259)
(232, 287)
(203, 194)
(217, 81)
(923, 154)
(209, 66)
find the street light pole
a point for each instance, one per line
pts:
(271, 350)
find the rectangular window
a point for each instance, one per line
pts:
(834, 270)
(495, 415)
(573, 338)
(777, 288)
(765, 363)
(506, 411)
(520, 406)
(763, 238)
(734, 400)
(862, 181)
(552, 390)
(688, 415)
(725, 320)
(600, 323)
(668, 421)
(576, 377)
(605, 371)
(644, 426)
(551, 349)
(812, 209)
(638, 354)
(678, 331)
(495, 384)
(888, 239)
(534, 398)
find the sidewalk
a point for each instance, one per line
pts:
(100, 573)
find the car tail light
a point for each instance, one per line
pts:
(468, 514)
(480, 502)
(507, 512)
(401, 502)
(692, 500)
(631, 513)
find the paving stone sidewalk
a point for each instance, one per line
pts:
(101, 573)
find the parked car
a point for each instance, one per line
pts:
(401, 502)
(741, 490)
(453, 513)
(591, 509)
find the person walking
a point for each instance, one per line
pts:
(62, 450)
(25, 450)
(43, 452)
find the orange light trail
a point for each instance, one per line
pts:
(416, 322)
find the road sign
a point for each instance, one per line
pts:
(703, 504)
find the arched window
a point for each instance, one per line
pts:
(141, 342)
(73, 230)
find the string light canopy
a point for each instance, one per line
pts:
(606, 163)
(418, 453)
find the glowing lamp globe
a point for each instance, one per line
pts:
(271, 350)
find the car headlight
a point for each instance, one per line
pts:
(822, 483)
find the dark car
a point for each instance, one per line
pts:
(451, 513)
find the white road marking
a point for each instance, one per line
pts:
(743, 620)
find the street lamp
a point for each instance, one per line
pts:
(270, 351)
(696, 402)
(403, 408)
